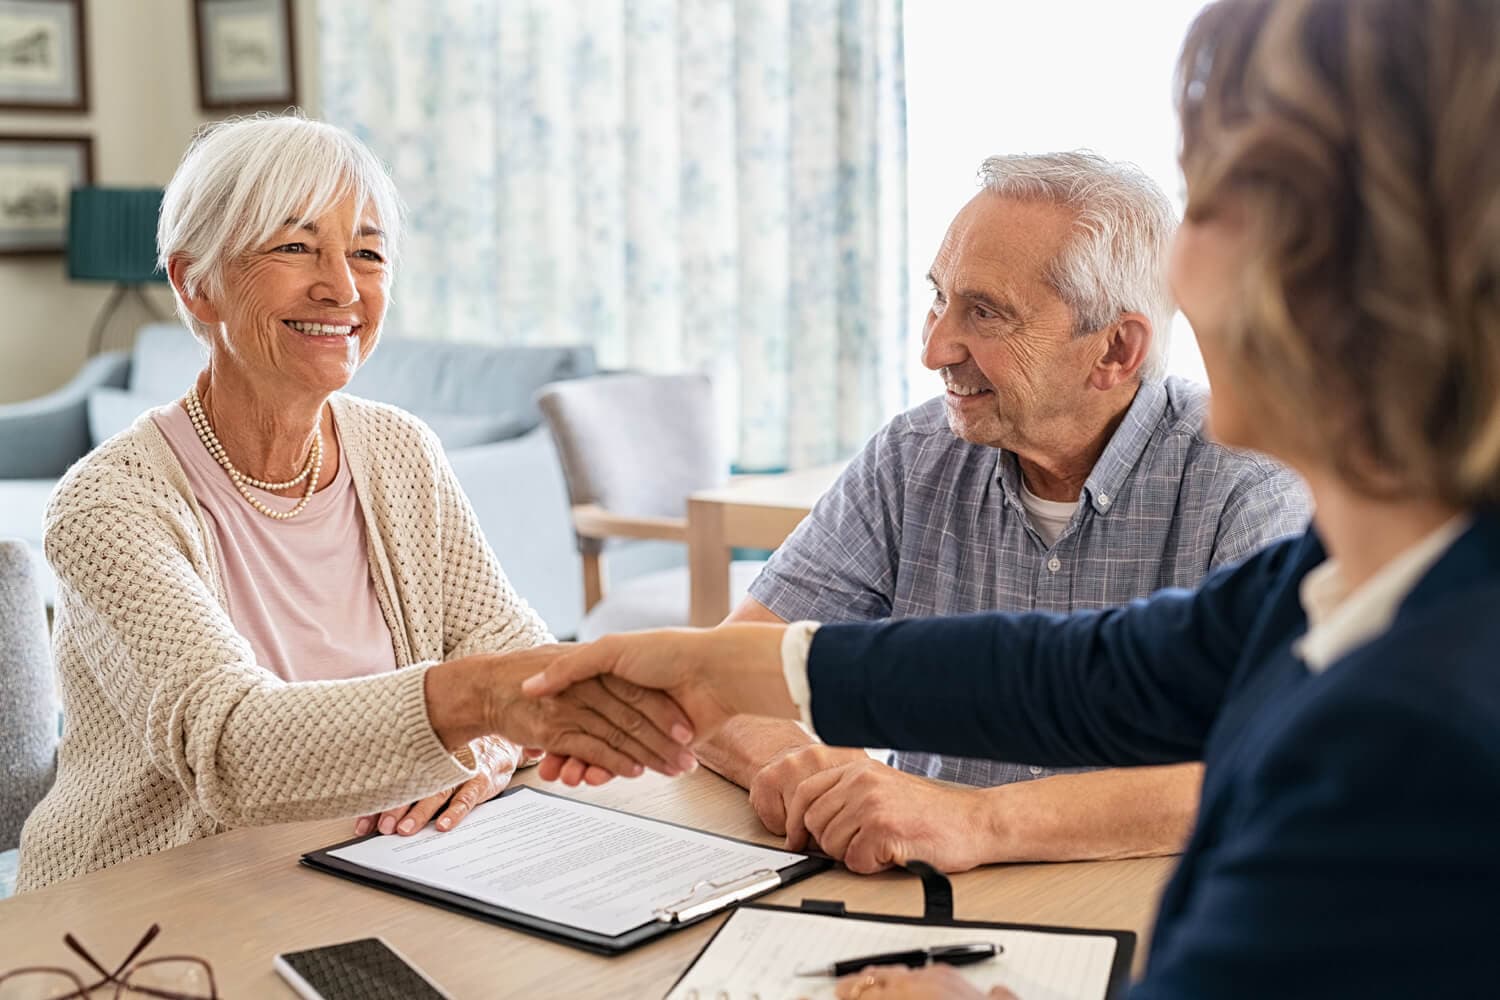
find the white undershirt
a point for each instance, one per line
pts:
(1048, 517)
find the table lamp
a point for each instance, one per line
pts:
(112, 237)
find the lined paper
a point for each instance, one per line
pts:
(757, 952)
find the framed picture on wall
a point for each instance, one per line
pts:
(42, 56)
(37, 176)
(246, 53)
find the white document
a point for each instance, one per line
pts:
(758, 951)
(566, 861)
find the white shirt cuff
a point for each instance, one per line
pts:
(796, 643)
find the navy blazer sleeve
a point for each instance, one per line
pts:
(1140, 684)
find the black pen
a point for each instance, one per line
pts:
(951, 954)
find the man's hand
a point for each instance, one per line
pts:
(871, 817)
(773, 786)
(495, 759)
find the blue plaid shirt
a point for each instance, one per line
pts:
(925, 523)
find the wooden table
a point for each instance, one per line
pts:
(239, 898)
(753, 512)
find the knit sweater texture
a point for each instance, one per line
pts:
(172, 731)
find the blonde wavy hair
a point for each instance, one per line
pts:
(1360, 136)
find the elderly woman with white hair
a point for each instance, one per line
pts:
(276, 603)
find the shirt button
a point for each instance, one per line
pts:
(1054, 564)
(1035, 770)
(1104, 499)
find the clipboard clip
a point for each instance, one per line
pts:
(706, 896)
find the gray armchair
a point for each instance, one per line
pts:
(41, 437)
(632, 448)
(28, 710)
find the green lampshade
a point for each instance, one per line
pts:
(112, 234)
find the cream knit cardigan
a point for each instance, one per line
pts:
(171, 730)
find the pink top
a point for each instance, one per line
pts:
(299, 590)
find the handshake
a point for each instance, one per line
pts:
(617, 706)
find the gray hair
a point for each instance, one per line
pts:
(1116, 260)
(242, 178)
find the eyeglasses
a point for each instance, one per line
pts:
(171, 977)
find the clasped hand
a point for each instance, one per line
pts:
(606, 725)
(711, 676)
(610, 708)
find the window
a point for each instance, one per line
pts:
(1005, 76)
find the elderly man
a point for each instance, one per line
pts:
(1059, 471)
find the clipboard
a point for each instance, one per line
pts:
(706, 900)
(937, 894)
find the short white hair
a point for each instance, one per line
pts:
(1116, 260)
(241, 180)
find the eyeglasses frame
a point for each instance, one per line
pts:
(121, 976)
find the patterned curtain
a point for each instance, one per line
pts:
(707, 185)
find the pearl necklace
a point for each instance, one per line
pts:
(243, 482)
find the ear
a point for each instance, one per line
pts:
(202, 309)
(1125, 347)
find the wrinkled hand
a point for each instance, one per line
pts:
(894, 982)
(712, 675)
(494, 759)
(572, 770)
(773, 786)
(613, 726)
(871, 816)
(619, 727)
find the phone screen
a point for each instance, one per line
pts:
(366, 969)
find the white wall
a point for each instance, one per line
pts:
(143, 108)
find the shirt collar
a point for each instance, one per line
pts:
(1126, 445)
(1120, 456)
(1339, 620)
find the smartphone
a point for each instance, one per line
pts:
(367, 969)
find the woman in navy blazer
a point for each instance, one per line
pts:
(1340, 263)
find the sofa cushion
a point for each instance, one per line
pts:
(461, 430)
(22, 503)
(444, 383)
(433, 377)
(165, 360)
(113, 410)
(8, 862)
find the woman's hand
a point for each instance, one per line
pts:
(610, 727)
(713, 675)
(618, 727)
(894, 982)
(495, 759)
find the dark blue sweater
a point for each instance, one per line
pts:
(1348, 842)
